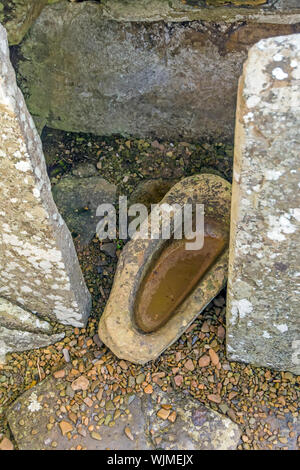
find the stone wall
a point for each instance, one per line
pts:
(146, 68)
(40, 277)
(263, 323)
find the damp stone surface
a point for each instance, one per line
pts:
(263, 323)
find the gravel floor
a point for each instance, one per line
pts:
(263, 402)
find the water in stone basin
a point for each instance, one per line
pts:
(174, 275)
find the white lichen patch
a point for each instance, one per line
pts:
(266, 335)
(295, 213)
(23, 166)
(279, 74)
(272, 175)
(248, 117)
(241, 308)
(34, 405)
(281, 327)
(294, 64)
(252, 101)
(280, 226)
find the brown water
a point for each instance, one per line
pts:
(173, 276)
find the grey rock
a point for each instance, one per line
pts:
(129, 70)
(77, 199)
(109, 249)
(66, 354)
(97, 340)
(69, 391)
(263, 325)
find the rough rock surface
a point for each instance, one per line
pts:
(22, 340)
(114, 73)
(21, 330)
(77, 199)
(18, 15)
(39, 420)
(117, 328)
(263, 325)
(15, 317)
(151, 191)
(39, 270)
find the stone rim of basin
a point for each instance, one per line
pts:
(117, 327)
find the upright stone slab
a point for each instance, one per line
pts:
(263, 316)
(39, 270)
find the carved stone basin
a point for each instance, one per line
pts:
(160, 287)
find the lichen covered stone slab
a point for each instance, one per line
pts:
(21, 330)
(39, 407)
(18, 16)
(39, 270)
(263, 322)
(117, 327)
(191, 10)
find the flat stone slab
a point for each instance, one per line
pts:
(42, 418)
(263, 325)
(14, 317)
(19, 15)
(39, 269)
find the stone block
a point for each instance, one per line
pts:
(263, 323)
